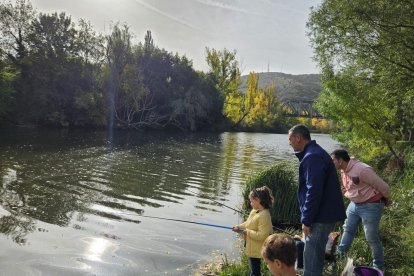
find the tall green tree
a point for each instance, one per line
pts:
(184, 99)
(15, 25)
(89, 101)
(224, 69)
(55, 69)
(130, 100)
(225, 73)
(365, 50)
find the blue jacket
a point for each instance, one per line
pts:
(319, 191)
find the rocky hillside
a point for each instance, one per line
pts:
(290, 87)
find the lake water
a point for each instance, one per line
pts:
(74, 203)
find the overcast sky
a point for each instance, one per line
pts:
(267, 34)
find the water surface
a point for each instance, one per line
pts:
(71, 202)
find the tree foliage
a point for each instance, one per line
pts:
(365, 50)
(56, 72)
(15, 26)
(7, 76)
(224, 70)
(257, 108)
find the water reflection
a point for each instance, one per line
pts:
(96, 248)
(59, 188)
(17, 227)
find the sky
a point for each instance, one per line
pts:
(268, 35)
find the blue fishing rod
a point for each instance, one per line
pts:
(241, 212)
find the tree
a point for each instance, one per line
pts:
(89, 102)
(56, 67)
(184, 99)
(241, 105)
(15, 24)
(89, 44)
(266, 109)
(224, 69)
(197, 106)
(133, 103)
(365, 50)
(149, 47)
(134, 108)
(55, 70)
(257, 108)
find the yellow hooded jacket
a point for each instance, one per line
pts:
(259, 227)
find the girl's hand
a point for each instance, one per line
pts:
(238, 229)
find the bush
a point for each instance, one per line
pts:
(280, 179)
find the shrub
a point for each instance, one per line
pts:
(280, 178)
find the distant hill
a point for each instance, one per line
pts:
(290, 87)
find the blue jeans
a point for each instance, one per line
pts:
(314, 252)
(370, 215)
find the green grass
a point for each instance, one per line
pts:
(241, 268)
(396, 226)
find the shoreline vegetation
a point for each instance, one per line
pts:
(58, 73)
(55, 72)
(395, 228)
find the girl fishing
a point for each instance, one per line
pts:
(257, 227)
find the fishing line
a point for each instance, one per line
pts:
(242, 213)
(181, 220)
(222, 204)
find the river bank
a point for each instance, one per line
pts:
(395, 230)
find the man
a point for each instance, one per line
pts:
(279, 253)
(320, 197)
(368, 194)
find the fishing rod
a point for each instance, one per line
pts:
(242, 213)
(185, 221)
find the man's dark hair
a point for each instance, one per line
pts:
(300, 130)
(341, 154)
(280, 247)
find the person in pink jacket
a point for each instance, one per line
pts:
(368, 194)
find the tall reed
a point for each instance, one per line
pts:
(280, 178)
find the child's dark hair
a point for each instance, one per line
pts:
(280, 247)
(264, 194)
